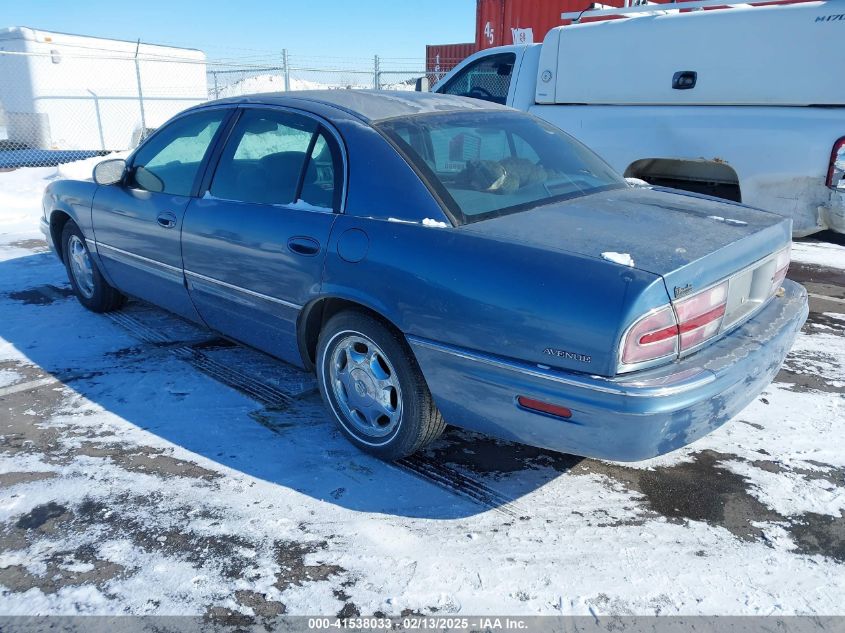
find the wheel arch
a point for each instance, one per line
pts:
(58, 220)
(710, 176)
(317, 312)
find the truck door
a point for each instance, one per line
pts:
(487, 78)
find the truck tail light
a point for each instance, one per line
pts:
(673, 329)
(782, 260)
(836, 170)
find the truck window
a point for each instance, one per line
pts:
(488, 78)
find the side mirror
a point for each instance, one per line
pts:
(109, 171)
(422, 84)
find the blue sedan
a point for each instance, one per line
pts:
(440, 260)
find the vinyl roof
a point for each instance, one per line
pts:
(373, 105)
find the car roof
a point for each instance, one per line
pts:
(371, 105)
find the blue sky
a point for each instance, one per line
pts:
(309, 28)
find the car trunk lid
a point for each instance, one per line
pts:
(689, 240)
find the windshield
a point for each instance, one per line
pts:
(484, 165)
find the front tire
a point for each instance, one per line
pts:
(372, 385)
(89, 286)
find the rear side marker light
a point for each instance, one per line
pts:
(543, 407)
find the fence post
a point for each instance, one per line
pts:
(140, 92)
(216, 89)
(376, 73)
(286, 67)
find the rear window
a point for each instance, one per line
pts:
(484, 165)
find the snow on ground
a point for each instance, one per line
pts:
(819, 254)
(21, 191)
(276, 83)
(132, 482)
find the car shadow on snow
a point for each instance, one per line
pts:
(152, 385)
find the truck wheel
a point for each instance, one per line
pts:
(88, 284)
(373, 387)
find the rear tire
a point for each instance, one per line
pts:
(372, 385)
(89, 286)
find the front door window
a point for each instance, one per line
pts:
(169, 161)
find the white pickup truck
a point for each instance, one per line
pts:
(744, 103)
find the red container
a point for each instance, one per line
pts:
(504, 22)
(499, 22)
(441, 58)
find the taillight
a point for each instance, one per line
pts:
(667, 331)
(781, 266)
(653, 336)
(700, 316)
(836, 170)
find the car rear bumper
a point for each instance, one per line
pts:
(628, 418)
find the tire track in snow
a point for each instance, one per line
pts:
(419, 465)
(272, 397)
(267, 394)
(462, 485)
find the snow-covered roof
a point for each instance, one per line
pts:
(374, 105)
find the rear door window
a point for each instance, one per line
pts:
(488, 78)
(279, 158)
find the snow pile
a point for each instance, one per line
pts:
(732, 221)
(267, 83)
(21, 191)
(276, 83)
(619, 258)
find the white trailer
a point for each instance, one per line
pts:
(62, 91)
(744, 103)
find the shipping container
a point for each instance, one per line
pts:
(504, 22)
(441, 58)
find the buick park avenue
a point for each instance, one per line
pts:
(441, 260)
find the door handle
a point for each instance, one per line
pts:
(167, 220)
(684, 80)
(307, 246)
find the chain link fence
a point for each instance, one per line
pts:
(62, 106)
(439, 66)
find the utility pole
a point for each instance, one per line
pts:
(376, 73)
(286, 69)
(140, 91)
